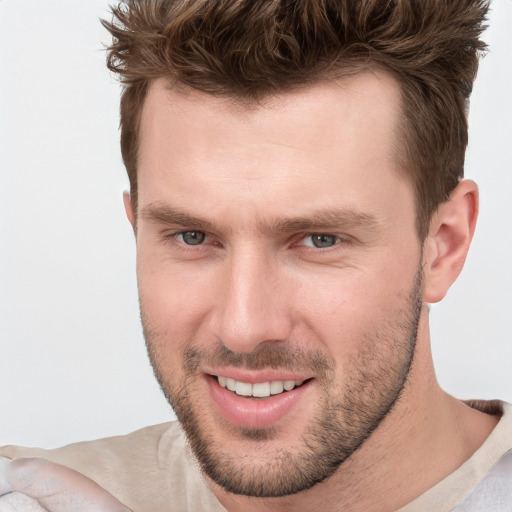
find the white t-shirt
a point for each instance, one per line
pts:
(154, 470)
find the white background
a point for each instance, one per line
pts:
(72, 358)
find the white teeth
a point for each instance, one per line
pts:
(243, 389)
(276, 387)
(260, 389)
(289, 385)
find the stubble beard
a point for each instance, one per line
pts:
(374, 379)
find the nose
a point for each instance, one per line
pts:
(252, 307)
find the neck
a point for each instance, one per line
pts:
(427, 428)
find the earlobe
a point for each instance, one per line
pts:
(446, 247)
(128, 208)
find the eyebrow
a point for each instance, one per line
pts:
(163, 214)
(318, 220)
(323, 220)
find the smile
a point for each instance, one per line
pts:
(257, 399)
(260, 389)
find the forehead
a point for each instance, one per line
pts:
(324, 108)
(334, 141)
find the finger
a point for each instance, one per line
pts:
(18, 502)
(58, 488)
(35, 477)
(5, 487)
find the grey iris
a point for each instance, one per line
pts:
(321, 241)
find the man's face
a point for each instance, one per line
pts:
(279, 275)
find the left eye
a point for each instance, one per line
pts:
(191, 237)
(320, 240)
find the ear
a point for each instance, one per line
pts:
(128, 208)
(446, 247)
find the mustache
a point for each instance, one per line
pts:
(270, 355)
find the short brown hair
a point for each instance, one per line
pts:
(252, 48)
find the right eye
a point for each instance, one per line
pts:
(191, 237)
(321, 240)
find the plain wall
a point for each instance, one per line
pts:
(72, 357)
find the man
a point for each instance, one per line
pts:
(297, 201)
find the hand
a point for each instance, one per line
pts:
(38, 485)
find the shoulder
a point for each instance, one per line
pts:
(150, 467)
(92, 455)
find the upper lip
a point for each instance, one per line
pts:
(256, 376)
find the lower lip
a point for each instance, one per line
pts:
(250, 412)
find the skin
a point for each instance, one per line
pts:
(38, 485)
(258, 180)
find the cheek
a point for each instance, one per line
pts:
(353, 307)
(173, 303)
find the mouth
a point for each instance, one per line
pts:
(258, 389)
(257, 400)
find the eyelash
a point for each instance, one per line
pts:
(337, 240)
